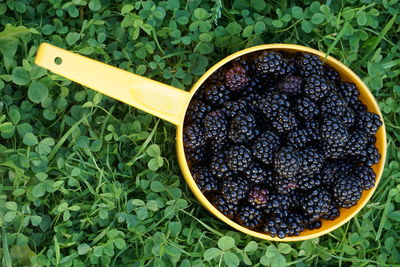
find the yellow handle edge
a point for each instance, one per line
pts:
(161, 100)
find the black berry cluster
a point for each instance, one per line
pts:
(278, 143)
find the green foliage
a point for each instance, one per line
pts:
(86, 180)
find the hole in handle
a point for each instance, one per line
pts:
(58, 60)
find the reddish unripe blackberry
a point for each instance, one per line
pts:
(311, 161)
(316, 203)
(316, 87)
(306, 108)
(239, 158)
(258, 174)
(216, 94)
(258, 197)
(309, 64)
(205, 180)
(215, 126)
(291, 85)
(197, 111)
(234, 189)
(229, 209)
(347, 191)
(249, 216)
(265, 146)
(287, 162)
(193, 136)
(366, 175)
(243, 128)
(236, 78)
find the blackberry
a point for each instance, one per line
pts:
(218, 166)
(281, 227)
(204, 180)
(348, 117)
(243, 128)
(234, 108)
(239, 158)
(357, 143)
(197, 111)
(218, 77)
(215, 126)
(366, 175)
(368, 121)
(258, 197)
(331, 74)
(309, 64)
(298, 138)
(311, 162)
(257, 174)
(193, 136)
(349, 92)
(234, 189)
(279, 205)
(316, 203)
(313, 225)
(285, 121)
(335, 152)
(287, 162)
(307, 182)
(369, 156)
(291, 85)
(196, 155)
(316, 87)
(254, 86)
(236, 78)
(333, 105)
(334, 171)
(332, 214)
(271, 104)
(306, 108)
(313, 130)
(229, 209)
(334, 133)
(216, 94)
(270, 63)
(285, 185)
(249, 216)
(265, 146)
(347, 191)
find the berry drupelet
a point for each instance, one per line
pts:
(236, 78)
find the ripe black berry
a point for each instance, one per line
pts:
(193, 136)
(316, 87)
(204, 179)
(239, 158)
(234, 189)
(287, 162)
(309, 64)
(265, 146)
(215, 126)
(243, 128)
(249, 216)
(216, 94)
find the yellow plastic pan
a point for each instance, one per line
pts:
(170, 104)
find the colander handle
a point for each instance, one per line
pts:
(161, 100)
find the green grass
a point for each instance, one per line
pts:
(86, 180)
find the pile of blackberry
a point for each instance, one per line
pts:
(278, 143)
